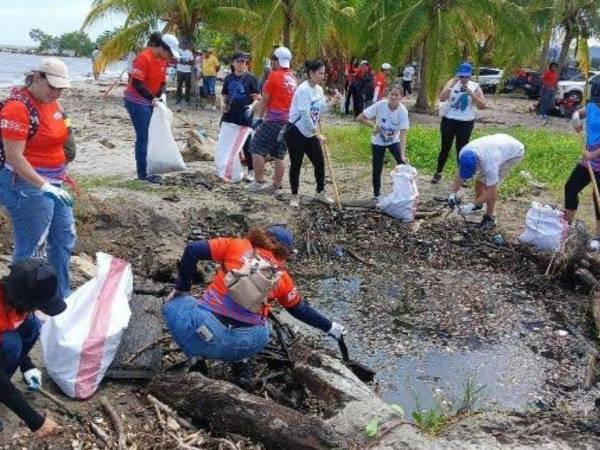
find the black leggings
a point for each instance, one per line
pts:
(451, 129)
(578, 180)
(298, 145)
(378, 157)
(184, 79)
(247, 154)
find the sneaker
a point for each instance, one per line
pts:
(324, 198)
(257, 186)
(154, 179)
(241, 373)
(250, 176)
(487, 223)
(277, 191)
(436, 178)
(295, 201)
(376, 198)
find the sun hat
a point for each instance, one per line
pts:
(467, 164)
(33, 281)
(56, 72)
(282, 235)
(172, 42)
(464, 70)
(284, 56)
(386, 66)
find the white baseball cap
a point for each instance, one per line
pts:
(363, 62)
(386, 66)
(56, 72)
(284, 56)
(172, 42)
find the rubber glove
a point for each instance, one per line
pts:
(336, 331)
(467, 209)
(33, 378)
(57, 194)
(453, 200)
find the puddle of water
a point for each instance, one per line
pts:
(339, 289)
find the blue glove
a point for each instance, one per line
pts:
(57, 194)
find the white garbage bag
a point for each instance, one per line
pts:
(80, 344)
(229, 146)
(163, 154)
(545, 227)
(401, 203)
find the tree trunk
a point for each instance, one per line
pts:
(230, 409)
(422, 103)
(287, 22)
(564, 51)
(543, 62)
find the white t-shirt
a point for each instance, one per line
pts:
(408, 74)
(460, 104)
(185, 56)
(493, 152)
(389, 122)
(308, 103)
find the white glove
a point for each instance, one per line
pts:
(453, 200)
(57, 194)
(336, 331)
(163, 98)
(466, 209)
(33, 378)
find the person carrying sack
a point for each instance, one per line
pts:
(229, 321)
(30, 286)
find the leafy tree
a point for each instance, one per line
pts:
(77, 42)
(106, 36)
(46, 42)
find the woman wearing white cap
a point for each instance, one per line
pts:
(147, 85)
(381, 82)
(33, 167)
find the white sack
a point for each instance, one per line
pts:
(545, 227)
(80, 344)
(163, 155)
(401, 203)
(229, 146)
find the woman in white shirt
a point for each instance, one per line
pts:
(389, 132)
(303, 136)
(461, 95)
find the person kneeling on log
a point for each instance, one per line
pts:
(492, 157)
(31, 285)
(229, 321)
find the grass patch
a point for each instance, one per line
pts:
(114, 181)
(549, 155)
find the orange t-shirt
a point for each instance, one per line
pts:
(46, 148)
(280, 86)
(380, 83)
(9, 319)
(151, 71)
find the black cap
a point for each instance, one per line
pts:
(240, 55)
(33, 282)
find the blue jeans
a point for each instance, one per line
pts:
(546, 99)
(41, 227)
(188, 322)
(17, 344)
(140, 117)
(209, 83)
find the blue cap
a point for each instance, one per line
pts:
(282, 235)
(467, 164)
(464, 70)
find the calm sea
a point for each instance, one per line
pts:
(14, 65)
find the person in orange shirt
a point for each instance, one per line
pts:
(216, 325)
(147, 86)
(381, 82)
(33, 167)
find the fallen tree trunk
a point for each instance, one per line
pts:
(230, 409)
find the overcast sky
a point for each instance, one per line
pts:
(54, 17)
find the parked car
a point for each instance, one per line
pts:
(534, 81)
(569, 93)
(489, 78)
(518, 80)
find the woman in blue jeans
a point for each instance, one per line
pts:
(147, 86)
(216, 325)
(33, 167)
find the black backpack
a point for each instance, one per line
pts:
(34, 118)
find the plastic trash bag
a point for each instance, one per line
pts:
(545, 227)
(401, 203)
(80, 344)
(229, 146)
(163, 155)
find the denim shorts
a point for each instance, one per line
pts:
(210, 84)
(265, 142)
(199, 333)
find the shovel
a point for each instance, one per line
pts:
(362, 372)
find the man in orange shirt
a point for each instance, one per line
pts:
(548, 91)
(381, 82)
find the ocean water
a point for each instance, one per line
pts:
(13, 66)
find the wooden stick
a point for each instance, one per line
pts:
(170, 412)
(100, 433)
(116, 422)
(147, 347)
(56, 401)
(180, 443)
(332, 174)
(113, 85)
(594, 184)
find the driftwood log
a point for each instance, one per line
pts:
(230, 409)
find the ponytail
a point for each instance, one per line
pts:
(259, 238)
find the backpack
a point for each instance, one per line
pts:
(250, 284)
(34, 118)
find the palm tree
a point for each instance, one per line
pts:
(448, 31)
